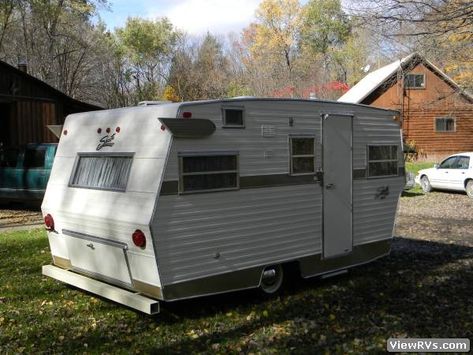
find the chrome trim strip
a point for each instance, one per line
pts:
(95, 239)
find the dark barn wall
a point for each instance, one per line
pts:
(28, 105)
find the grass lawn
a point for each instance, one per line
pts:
(414, 168)
(407, 294)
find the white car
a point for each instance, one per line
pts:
(454, 173)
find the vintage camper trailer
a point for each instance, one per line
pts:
(166, 202)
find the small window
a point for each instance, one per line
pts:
(209, 173)
(34, 157)
(414, 81)
(445, 124)
(302, 155)
(382, 160)
(102, 172)
(233, 117)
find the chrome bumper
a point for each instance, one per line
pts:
(113, 293)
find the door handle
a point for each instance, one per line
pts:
(91, 246)
(330, 186)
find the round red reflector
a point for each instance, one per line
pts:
(99, 130)
(187, 114)
(107, 130)
(117, 129)
(139, 238)
(163, 127)
(65, 132)
(49, 222)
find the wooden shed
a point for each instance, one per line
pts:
(28, 105)
(436, 115)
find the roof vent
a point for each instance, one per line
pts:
(22, 65)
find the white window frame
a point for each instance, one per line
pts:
(236, 171)
(95, 155)
(292, 156)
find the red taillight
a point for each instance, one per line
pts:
(117, 129)
(139, 238)
(49, 222)
(187, 114)
(65, 132)
(163, 127)
(99, 130)
(107, 130)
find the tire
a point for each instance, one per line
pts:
(272, 279)
(469, 188)
(425, 184)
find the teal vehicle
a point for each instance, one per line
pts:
(24, 173)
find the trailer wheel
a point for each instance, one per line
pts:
(271, 279)
(469, 188)
(425, 184)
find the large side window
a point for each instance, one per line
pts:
(382, 160)
(199, 173)
(102, 172)
(449, 163)
(414, 81)
(302, 155)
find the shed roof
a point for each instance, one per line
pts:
(375, 79)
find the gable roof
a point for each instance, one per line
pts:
(53, 90)
(376, 79)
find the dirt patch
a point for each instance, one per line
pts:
(11, 217)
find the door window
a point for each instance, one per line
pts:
(449, 163)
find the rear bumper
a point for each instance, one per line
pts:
(113, 293)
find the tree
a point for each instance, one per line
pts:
(147, 47)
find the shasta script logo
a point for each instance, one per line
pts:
(106, 141)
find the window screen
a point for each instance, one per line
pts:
(445, 124)
(204, 173)
(102, 172)
(233, 117)
(382, 160)
(414, 81)
(302, 155)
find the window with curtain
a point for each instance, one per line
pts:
(102, 172)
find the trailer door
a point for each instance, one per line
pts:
(337, 195)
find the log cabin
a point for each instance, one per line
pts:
(436, 114)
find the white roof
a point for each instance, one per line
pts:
(372, 81)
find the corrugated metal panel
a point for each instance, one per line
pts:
(246, 227)
(258, 155)
(373, 218)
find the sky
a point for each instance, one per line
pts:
(196, 17)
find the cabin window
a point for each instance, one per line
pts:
(414, 81)
(445, 124)
(382, 160)
(233, 117)
(201, 173)
(102, 172)
(34, 157)
(302, 155)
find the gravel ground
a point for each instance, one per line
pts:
(438, 216)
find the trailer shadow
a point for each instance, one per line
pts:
(422, 289)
